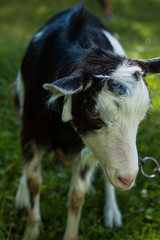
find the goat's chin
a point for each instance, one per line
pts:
(111, 177)
(124, 188)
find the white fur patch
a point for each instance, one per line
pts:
(117, 48)
(67, 108)
(22, 196)
(20, 90)
(39, 35)
(125, 74)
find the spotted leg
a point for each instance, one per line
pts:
(80, 184)
(112, 214)
(28, 192)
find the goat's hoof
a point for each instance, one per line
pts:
(113, 218)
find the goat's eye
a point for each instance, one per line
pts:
(95, 120)
(94, 115)
(116, 87)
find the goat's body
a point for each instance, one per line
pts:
(94, 87)
(58, 46)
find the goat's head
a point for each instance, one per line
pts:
(106, 100)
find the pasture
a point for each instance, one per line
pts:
(136, 25)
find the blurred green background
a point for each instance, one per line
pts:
(136, 24)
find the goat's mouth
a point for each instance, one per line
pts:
(125, 186)
(121, 182)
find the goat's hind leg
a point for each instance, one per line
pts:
(80, 184)
(28, 192)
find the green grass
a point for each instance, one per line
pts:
(137, 26)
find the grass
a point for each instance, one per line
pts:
(137, 26)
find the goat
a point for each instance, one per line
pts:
(77, 91)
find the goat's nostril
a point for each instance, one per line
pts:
(125, 180)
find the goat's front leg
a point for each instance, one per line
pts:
(80, 183)
(112, 214)
(28, 192)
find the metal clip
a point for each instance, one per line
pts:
(156, 171)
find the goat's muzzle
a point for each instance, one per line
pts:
(125, 182)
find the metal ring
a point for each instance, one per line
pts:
(142, 164)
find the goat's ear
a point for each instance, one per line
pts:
(150, 66)
(65, 86)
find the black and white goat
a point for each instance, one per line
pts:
(95, 100)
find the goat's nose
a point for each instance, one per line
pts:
(126, 181)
